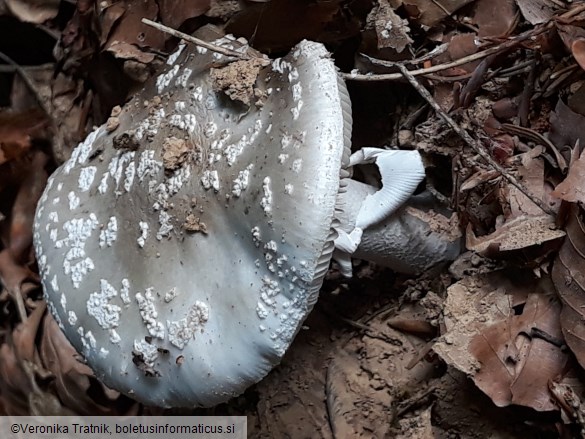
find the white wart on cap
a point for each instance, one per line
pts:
(181, 252)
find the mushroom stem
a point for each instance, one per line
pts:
(401, 172)
(373, 225)
(415, 238)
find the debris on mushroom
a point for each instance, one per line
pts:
(272, 185)
(237, 79)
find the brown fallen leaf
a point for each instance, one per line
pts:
(494, 18)
(503, 330)
(536, 11)
(567, 127)
(174, 13)
(24, 206)
(578, 51)
(568, 275)
(274, 25)
(17, 130)
(74, 382)
(571, 188)
(523, 233)
(33, 11)
(20, 369)
(16, 281)
(131, 30)
(392, 30)
(430, 13)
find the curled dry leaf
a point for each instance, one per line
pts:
(531, 173)
(568, 396)
(17, 130)
(33, 11)
(523, 233)
(494, 17)
(20, 393)
(506, 336)
(578, 51)
(527, 231)
(430, 13)
(174, 13)
(274, 25)
(567, 127)
(74, 382)
(536, 11)
(23, 209)
(391, 29)
(568, 276)
(131, 30)
(571, 188)
(13, 279)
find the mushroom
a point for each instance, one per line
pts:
(182, 247)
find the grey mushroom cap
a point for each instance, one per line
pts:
(162, 311)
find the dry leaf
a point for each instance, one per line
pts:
(391, 29)
(123, 50)
(34, 11)
(174, 13)
(572, 188)
(17, 132)
(75, 382)
(566, 126)
(24, 206)
(568, 275)
(494, 17)
(578, 51)
(19, 368)
(430, 13)
(536, 11)
(522, 233)
(531, 173)
(131, 30)
(280, 24)
(504, 331)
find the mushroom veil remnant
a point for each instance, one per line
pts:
(181, 251)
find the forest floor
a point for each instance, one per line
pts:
(489, 345)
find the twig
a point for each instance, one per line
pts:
(29, 83)
(441, 7)
(199, 42)
(426, 57)
(7, 68)
(508, 44)
(423, 71)
(470, 141)
(473, 57)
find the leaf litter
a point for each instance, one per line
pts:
(495, 106)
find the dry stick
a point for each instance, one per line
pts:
(473, 57)
(475, 145)
(418, 72)
(426, 57)
(28, 82)
(508, 44)
(199, 42)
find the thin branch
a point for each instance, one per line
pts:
(508, 44)
(199, 42)
(7, 68)
(28, 81)
(470, 141)
(426, 57)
